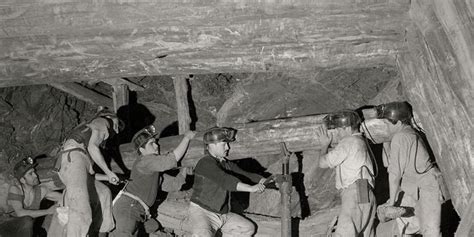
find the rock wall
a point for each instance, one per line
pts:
(208, 93)
(437, 77)
(33, 122)
(264, 96)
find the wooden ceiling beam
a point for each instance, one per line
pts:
(87, 41)
(84, 94)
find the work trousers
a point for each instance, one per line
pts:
(128, 214)
(426, 200)
(205, 223)
(18, 227)
(355, 219)
(83, 196)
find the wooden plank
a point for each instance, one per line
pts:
(90, 40)
(252, 140)
(120, 96)
(456, 20)
(440, 91)
(466, 226)
(182, 107)
(84, 94)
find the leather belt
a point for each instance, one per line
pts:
(136, 198)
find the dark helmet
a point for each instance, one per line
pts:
(218, 134)
(141, 137)
(346, 118)
(395, 111)
(23, 166)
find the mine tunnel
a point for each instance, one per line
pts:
(270, 69)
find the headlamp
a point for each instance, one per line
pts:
(142, 136)
(150, 129)
(342, 119)
(395, 111)
(23, 166)
(218, 134)
(28, 161)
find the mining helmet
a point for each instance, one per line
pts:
(346, 118)
(395, 111)
(23, 166)
(218, 134)
(141, 137)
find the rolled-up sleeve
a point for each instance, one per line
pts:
(157, 163)
(399, 149)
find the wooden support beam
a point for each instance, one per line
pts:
(181, 91)
(436, 64)
(285, 193)
(252, 139)
(117, 40)
(120, 96)
(84, 94)
(123, 81)
(466, 226)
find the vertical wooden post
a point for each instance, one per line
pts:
(181, 91)
(466, 225)
(285, 192)
(120, 96)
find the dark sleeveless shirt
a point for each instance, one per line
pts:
(81, 134)
(35, 205)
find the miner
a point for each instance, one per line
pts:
(24, 198)
(131, 206)
(354, 173)
(87, 203)
(214, 179)
(413, 178)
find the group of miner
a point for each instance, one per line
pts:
(86, 207)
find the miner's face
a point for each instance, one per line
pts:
(150, 148)
(219, 149)
(30, 178)
(344, 131)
